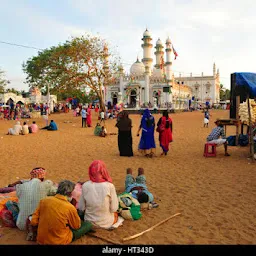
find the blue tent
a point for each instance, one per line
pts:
(246, 82)
(245, 86)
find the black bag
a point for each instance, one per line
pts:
(243, 140)
(231, 140)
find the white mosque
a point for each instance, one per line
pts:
(157, 85)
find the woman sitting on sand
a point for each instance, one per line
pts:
(97, 130)
(25, 129)
(99, 199)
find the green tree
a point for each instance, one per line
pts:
(12, 90)
(227, 94)
(72, 65)
(224, 93)
(3, 81)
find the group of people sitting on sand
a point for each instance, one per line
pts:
(61, 213)
(25, 129)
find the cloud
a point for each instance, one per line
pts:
(46, 26)
(202, 31)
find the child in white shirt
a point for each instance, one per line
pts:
(102, 117)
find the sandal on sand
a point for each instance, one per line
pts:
(154, 205)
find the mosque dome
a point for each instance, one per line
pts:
(159, 42)
(137, 68)
(146, 33)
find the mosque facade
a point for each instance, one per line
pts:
(156, 85)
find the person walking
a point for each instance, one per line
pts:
(124, 125)
(164, 127)
(89, 117)
(147, 144)
(84, 115)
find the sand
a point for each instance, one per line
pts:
(215, 196)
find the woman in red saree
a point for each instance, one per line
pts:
(164, 127)
(89, 117)
(96, 108)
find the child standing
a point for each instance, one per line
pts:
(206, 118)
(102, 116)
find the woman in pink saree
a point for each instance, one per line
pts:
(89, 117)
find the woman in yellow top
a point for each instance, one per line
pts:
(57, 219)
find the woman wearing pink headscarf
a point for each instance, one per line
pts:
(99, 200)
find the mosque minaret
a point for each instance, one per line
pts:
(155, 85)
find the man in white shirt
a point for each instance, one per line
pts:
(84, 116)
(16, 130)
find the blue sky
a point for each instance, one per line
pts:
(202, 33)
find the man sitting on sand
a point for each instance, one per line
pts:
(52, 127)
(214, 136)
(57, 219)
(137, 187)
(30, 193)
(33, 128)
(16, 130)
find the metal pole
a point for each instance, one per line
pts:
(251, 142)
(202, 89)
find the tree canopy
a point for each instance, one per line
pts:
(73, 65)
(3, 81)
(224, 93)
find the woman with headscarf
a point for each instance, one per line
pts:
(16, 130)
(99, 200)
(124, 125)
(89, 117)
(147, 144)
(164, 127)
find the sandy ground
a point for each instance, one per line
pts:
(215, 196)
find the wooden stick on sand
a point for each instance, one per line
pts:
(104, 239)
(158, 224)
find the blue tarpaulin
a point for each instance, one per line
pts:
(247, 82)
